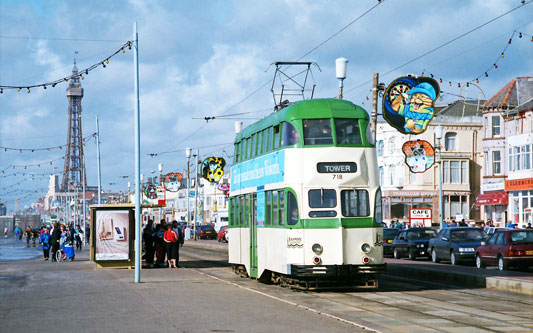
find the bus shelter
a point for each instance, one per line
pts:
(112, 239)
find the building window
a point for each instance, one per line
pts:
(449, 141)
(464, 172)
(496, 162)
(392, 174)
(381, 175)
(495, 126)
(520, 158)
(391, 146)
(380, 148)
(455, 172)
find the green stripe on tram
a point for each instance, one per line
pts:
(334, 223)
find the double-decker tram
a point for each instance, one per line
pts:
(305, 202)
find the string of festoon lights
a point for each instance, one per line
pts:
(32, 165)
(494, 66)
(20, 150)
(79, 75)
(33, 175)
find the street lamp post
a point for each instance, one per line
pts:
(341, 64)
(160, 168)
(438, 135)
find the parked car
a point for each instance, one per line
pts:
(456, 244)
(491, 230)
(205, 232)
(413, 242)
(507, 248)
(221, 236)
(388, 236)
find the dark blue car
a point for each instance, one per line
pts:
(388, 236)
(456, 244)
(413, 243)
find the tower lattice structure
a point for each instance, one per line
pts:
(74, 170)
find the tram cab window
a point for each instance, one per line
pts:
(317, 132)
(322, 198)
(348, 132)
(289, 134)
(276, 137)
(292, 209)
(354, 203)
(322, 213)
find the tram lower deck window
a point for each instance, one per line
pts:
(322, 198)
(354, 203)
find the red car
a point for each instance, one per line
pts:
(221, 236)
(508, 247)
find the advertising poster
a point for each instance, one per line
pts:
(112, 235)
(419, 155)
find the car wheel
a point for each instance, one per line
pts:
(396, 254)
(434, 257)
(412, 254)
(453, 258)
(501, 264)
(479, 262)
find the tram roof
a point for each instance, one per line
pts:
(308, 109)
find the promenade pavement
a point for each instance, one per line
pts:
(37, 296)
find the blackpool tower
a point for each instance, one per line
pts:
(73, 170)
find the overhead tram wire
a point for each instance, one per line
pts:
(269, 82)
(443, 45)
(63, 39)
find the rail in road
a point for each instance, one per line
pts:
(399, 304)
(462, 275)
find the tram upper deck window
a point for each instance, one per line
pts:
(266, 146)
(317, 132)
(348, 132)
(276, 137)
(322, 198)
(354, 203)
(237, 152)
(289, 134)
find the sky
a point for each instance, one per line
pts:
(212, 59)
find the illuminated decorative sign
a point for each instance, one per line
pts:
(150, 191)
(408, 103)
(172, 181)
(419, 155)
(213, 169)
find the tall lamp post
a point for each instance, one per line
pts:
(341, 64)
(160, 168)
(188, 155)
(438, 136)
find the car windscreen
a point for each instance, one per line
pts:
(468, 235)
(421, 234)
(522, 237)
(207, 228)
(390, 233)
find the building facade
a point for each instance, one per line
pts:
(461, 165)
(507, 146)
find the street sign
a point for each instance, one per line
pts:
(420, 216)
(161, 195)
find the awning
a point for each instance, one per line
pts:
(495, 198)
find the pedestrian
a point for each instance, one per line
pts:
(181, 240)
(5, 231)
(463, 223)
(54, 239)
(453, 223)
(510, 225)
(529, 226)
(45, 243)
(148, 238)
(78, 235)
(171, 239)
(28, 234)
(159, 245)
(16, 231)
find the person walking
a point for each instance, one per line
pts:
(171, 239)
(181, 240)
(16, 232)
(28, 234)
(54, 239)
(5, 231)
(78, 234)
(45, 243)
(148, 238)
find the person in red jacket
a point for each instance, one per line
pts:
(171, 239)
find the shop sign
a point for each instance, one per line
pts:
(420, 216)
(519, 184)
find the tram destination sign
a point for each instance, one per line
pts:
(336, 167)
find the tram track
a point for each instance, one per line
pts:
(395, 295)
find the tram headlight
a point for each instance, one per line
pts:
(365, 247)
(317, 248)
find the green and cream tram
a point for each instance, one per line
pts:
(305, 203)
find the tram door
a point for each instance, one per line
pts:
(253, 235)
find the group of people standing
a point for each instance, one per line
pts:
(52, 238)
(163, 239)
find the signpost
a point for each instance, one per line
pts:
(420, 216)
